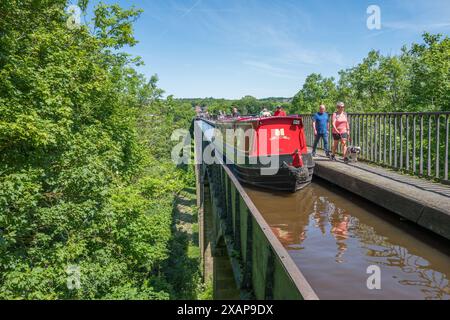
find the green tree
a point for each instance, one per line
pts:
(377, 84)
(430, 74)
(316, 90)
(79, 184)
(248, 105)
(415, 80)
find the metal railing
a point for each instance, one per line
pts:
(413, 142)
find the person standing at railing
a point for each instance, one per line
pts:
(341, 130)
(265, 113)
(222, 115)
(235, 113)
(279, 112)
(320, 126)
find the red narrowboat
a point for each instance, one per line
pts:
(268, 152)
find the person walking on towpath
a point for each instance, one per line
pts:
(320, 126)
(341, 130)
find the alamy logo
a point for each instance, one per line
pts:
(374, 19)
(374, 280)
(74, 20)
(233, 143)
(73, 277)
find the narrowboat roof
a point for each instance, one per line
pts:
(257, 118)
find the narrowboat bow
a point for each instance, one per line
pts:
(268, 152)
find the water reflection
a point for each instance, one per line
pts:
(312, 222)
(417, 270)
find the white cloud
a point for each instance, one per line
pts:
(270, 69)
(272, 30)
(416, 27)
(287, 48)
(189, 10)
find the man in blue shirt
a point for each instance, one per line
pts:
(320, 125)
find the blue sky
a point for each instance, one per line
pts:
(233, 48)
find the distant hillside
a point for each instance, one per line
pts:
(246, 105)
(277, 99)
(269, 99)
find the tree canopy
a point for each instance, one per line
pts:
(416, 80)
(85, 182)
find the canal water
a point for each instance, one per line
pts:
(335, 237)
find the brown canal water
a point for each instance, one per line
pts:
(334, 236)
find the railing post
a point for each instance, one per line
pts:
(351, 128)
(366, 136)
(390, 140)
(384, 138)
(438, 174)
(379, 138)
(407, 142)
(368, 141)
(401, 142)
(421, 146)
(429, 147)
(359, 130)
(395, 142)
(446, 147)
(414, 145)
(375, 134)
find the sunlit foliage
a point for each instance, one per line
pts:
(85, 177)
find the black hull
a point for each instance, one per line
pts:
(285, 178)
